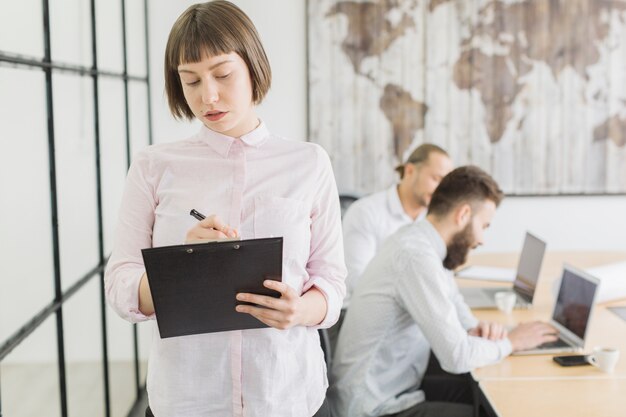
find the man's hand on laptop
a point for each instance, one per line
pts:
(529, 335)
(488, 330)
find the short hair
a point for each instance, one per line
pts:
(466, 184)
(213, 28)
(420, 155)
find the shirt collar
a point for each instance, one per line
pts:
(222, 143)
(434, 238)
(395, 205)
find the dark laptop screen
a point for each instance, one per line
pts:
(529, 267)
(574, 302)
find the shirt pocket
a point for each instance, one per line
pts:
(287, 218)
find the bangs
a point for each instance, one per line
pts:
(199, 41)
(210, 29)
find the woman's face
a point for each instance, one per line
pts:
(218, 90)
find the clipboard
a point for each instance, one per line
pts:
(193, 286)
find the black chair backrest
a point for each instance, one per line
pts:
(345, 200)
(325, 342)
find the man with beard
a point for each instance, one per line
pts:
(407, 303)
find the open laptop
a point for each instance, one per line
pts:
(525, 282)
(572, 312)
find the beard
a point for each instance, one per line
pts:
(422, 199)
(459, 247)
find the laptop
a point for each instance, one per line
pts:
(525, 282)
(572, 312)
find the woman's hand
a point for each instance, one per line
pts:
(289, 310)
(211, 228)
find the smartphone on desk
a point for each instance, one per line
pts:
(571, 360)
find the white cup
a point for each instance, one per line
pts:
(505, 300)
(604, 358)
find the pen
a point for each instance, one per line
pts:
(197, 214)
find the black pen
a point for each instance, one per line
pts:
(197, 214)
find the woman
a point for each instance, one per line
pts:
(251, 184)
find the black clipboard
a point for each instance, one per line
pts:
(193, 286)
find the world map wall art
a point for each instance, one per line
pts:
(534, 91)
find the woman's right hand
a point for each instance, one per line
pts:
(211, 228)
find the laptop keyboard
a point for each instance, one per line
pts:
(555, 344)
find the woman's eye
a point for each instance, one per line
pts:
(192, 82)
(222, 77)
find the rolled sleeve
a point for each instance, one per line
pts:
(133, 232)
(326, 267)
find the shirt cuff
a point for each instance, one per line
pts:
(333, 302)
(505, 347)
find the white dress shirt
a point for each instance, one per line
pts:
(406, 304)
(366, 224)
(264, 186)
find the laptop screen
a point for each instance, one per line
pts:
(529, 267)
(574, 302)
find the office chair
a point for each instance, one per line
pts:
(345, 200)
(326, 348)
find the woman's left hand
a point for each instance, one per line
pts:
(281, 313)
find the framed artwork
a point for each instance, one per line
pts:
(534, 91)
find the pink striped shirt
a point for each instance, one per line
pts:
(264, 186)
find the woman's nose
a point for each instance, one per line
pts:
(210, 93)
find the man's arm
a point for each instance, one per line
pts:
(421, 288)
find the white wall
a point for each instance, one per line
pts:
(567, 223)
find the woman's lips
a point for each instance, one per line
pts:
(215, 116)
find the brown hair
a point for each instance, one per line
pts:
(213, 28)
(466, 184)
(420, 155)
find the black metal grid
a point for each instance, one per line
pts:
(56, 305)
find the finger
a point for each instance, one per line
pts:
(262, 314)
(201, 233)
(484, 330)
(546, 328)
(503, 333)
(285, 290)
(214, 222)
(262, 300)
(500, 332)
(493, 331)
(549, 337)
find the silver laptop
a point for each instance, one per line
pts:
(525, 282)
(572, 312)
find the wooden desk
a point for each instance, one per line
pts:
(557, 397)
(535, 385)
(606, 328)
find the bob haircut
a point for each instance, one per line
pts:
(209, 29)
